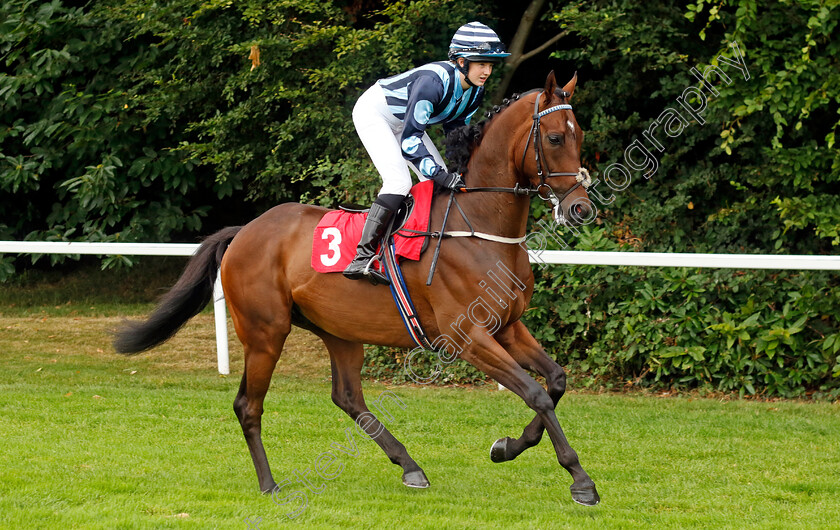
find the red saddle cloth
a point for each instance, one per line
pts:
(337, 235)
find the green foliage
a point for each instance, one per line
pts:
(759, 175)
(752, 332)
(78, 161)
(425, 368)
(136, 120)
(734, 184)
(282, 127)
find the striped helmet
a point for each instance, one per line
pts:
(477, 42)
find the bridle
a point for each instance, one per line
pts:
(543, 190)
(582, 175)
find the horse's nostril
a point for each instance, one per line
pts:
(578, 209)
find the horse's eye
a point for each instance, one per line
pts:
(555, 139)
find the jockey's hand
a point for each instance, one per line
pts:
(450, 181)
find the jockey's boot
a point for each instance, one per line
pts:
(363, 265)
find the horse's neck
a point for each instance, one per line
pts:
(492, 165)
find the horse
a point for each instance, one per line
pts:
(269, 286)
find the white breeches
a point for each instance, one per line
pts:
(381, 133)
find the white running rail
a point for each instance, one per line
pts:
(668, 259)
(556, 257)
(136, 249)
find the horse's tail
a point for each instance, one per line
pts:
(190, 294)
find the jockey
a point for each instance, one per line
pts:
(391, 119)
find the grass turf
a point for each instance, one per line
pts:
(91, 439)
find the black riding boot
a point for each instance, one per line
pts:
(362, 265)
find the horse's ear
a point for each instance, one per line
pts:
(570, 86)
(550, 85)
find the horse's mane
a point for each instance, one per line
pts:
(461, 142)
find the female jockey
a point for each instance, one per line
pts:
(391, 119)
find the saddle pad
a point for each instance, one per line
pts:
(337, 235)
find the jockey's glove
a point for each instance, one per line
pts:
(450, 181)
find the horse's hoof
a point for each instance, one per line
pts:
(415, 479)
(498, 452)
(585, 495)
(270, 490)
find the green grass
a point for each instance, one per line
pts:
(90, 439)
(88, 444)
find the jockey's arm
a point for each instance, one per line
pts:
(426, 93)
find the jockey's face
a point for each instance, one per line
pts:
(478, 72)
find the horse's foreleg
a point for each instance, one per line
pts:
(248, 405)
(528, 353)
(488, 356)
(346, 359)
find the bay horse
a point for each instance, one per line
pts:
(270, 285)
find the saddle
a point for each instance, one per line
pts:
(336, 237)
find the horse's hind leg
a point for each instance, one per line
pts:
(528, 353)
(261, 355)
(346, 359)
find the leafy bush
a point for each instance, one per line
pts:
(147, 121)
(757, 332)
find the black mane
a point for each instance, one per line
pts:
(461, 142)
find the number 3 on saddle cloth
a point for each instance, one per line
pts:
(337, 236)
